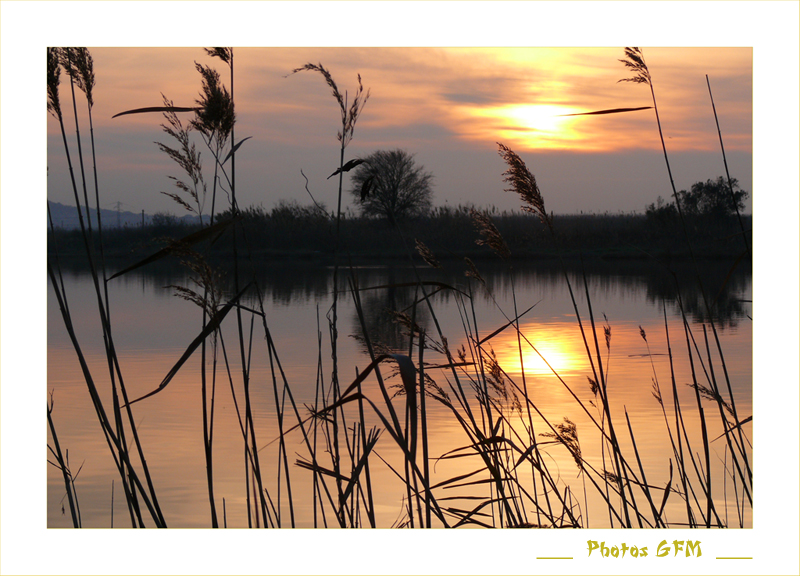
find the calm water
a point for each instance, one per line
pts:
(152, 328)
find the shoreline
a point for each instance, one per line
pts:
(450, 237)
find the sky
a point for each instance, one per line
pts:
(448, 107)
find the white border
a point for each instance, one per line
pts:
(27, 27)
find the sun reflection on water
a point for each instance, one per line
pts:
(555, 346)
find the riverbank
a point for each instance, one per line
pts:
(449, 234)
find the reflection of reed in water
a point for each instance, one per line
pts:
(388, 315)
(291, 283)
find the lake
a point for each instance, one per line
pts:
(152, 328)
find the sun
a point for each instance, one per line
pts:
(542, 118)
(543, 126)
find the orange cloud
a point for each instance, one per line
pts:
(532, 88)
(518, 95)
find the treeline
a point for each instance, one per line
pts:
(309, 232)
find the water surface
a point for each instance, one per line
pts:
(152, 328)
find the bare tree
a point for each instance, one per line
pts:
(389, 184)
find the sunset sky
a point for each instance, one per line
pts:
(447, 106)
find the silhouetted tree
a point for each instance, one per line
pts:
(389, 184)
(710, 199)
(661, 212)
(162, 221)
(713, 198)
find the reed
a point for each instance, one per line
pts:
(350, 112)
(327, 453)
(78, 66)
(634, 60)
(62, 464)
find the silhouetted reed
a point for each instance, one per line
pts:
(113, 427)
(378, 415)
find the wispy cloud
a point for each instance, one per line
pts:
(435, 101)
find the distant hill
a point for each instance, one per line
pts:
(66, 217)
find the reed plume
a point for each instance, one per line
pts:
(567, 434)
(216, 116)
(187, 157)
(472, 271)
(204, 276)
(224, 54)
(634, 60)
(349, 115)
(79, 64)
(524, 183)
(427, 255)
(53, 80)
(491, 235)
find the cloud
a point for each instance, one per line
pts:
(430, 101)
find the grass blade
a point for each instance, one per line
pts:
(189, 240)
(610, 111)
(212, 325)
(235, 148)
(156, 109)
